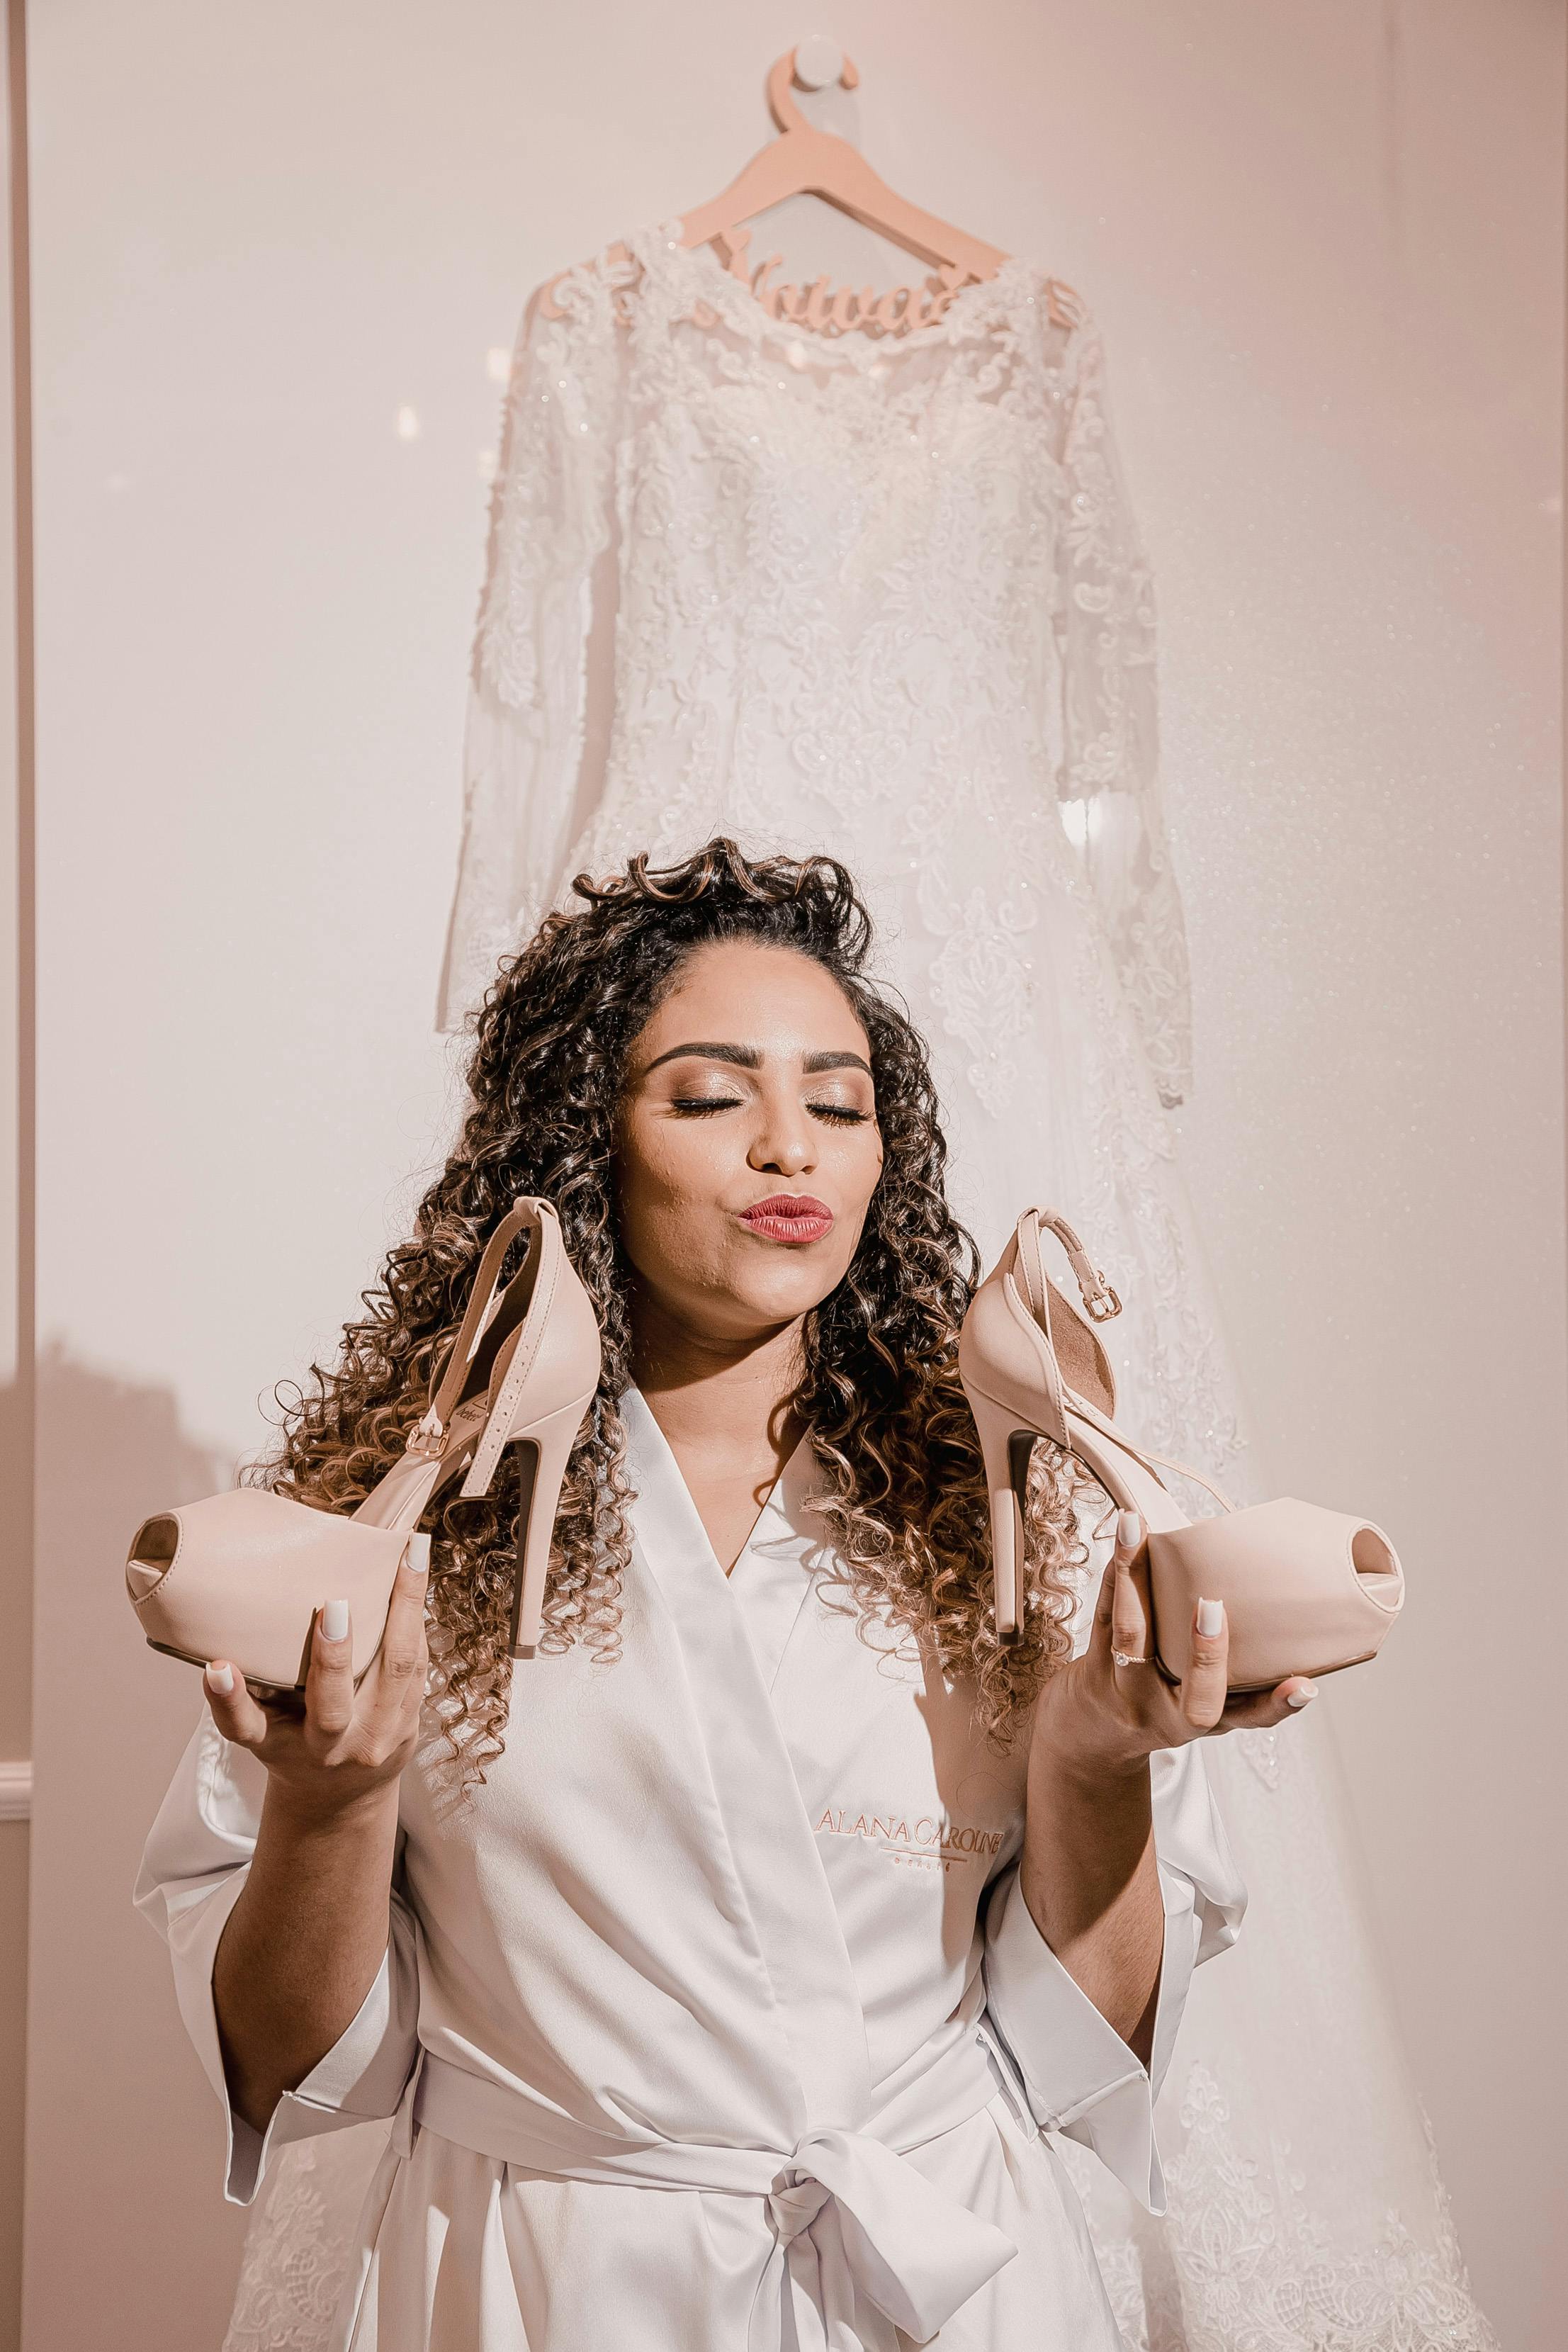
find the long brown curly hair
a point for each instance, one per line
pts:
(879, 1388)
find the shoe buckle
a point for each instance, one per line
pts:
(1100, 1303)
(426, 1439)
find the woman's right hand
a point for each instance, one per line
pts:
(342, 1745)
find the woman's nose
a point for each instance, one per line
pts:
(783, 1144)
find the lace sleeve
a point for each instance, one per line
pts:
(523, 742)
(1109, 774)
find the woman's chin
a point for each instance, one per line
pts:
(765, 1297)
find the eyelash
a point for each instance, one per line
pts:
(700, 1106)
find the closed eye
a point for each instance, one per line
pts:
(703, 1106)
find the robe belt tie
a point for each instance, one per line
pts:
(856, 2220)
(863, 2243)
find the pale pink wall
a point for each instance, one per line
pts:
(15, 1433)
(1375, 877)
(1323, 240)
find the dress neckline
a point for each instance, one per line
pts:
(973, 308)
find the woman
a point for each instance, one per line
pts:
(723, 1963)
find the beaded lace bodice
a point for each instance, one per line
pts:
(882, 595)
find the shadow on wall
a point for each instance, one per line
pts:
(13, 2013)
(105, 2038)
(16, 1656)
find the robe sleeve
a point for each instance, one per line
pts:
(527, 753)
(196, 1860)
(1079, 2076)
(1109, 778)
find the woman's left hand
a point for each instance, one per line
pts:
(1111, 1707)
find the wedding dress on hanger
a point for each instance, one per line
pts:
(883, 597)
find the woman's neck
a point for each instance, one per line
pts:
(725, 1408)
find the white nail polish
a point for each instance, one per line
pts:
(1210, 1618)
(335, 1620)
(219, 1679)
(1303, 1696)
(1129, 1530)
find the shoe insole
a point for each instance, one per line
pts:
(1079, 1355)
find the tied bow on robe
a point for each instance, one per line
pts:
(857, 2224)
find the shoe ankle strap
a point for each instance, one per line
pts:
(1100, 1301)
(526, 1214)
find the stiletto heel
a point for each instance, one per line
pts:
(1005, 1449)
(543, 1454)
(1009, 1374)
(1306, 1591)
(523, 1370)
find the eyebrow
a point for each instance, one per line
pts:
(747, 1057)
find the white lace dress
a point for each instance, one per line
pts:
(885, 598)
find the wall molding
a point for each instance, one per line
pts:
(16, 1792)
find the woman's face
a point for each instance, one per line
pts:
(749, 1145)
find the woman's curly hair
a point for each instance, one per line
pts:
(879, 1388)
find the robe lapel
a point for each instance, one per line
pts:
(772, 1579)
(774, 1853)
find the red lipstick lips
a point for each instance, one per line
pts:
(793, 1217)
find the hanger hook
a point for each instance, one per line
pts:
(785, 73)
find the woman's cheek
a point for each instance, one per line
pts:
(660, 1157)
(862, 1171)
(676, 1203)
(686, 1165)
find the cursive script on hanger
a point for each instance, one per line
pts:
(827, 310)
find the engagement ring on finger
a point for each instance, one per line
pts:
(1122, 1658)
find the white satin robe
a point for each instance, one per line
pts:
(715, 2020)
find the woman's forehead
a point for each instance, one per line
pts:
(750, 993)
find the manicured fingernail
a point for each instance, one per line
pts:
(1129, 1530)
(1302, 1698)
(220, 1679)
(335, 1620)
(1210, 1618)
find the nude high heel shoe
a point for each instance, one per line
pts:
(241, 1575)
(522, 1372)
(1306, 1591)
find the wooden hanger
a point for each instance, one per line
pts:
(803, 161)
(806, 162)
